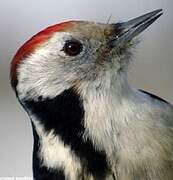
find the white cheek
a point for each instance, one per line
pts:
(39, 78)
(43, 72)
(40, 74)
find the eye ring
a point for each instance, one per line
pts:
(72, 47)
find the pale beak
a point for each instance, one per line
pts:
(126, 31)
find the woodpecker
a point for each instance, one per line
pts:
(88, 122)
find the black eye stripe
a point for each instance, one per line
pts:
(72, 47)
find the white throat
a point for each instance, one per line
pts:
(104, 101)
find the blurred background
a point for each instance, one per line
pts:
(151, 70)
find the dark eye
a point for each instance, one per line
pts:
(72, 48)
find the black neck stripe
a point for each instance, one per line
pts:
(64, 114)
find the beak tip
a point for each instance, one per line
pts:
(135, 26)
(159, 11)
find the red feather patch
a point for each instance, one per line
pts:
(27, 48)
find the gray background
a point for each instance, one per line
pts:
(20, 19)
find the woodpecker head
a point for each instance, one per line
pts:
(70, 53)
(58, 74)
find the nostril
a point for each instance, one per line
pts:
(117, 29)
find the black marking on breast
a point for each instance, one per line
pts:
(41, 172)
(154, 96)
(64, 114)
